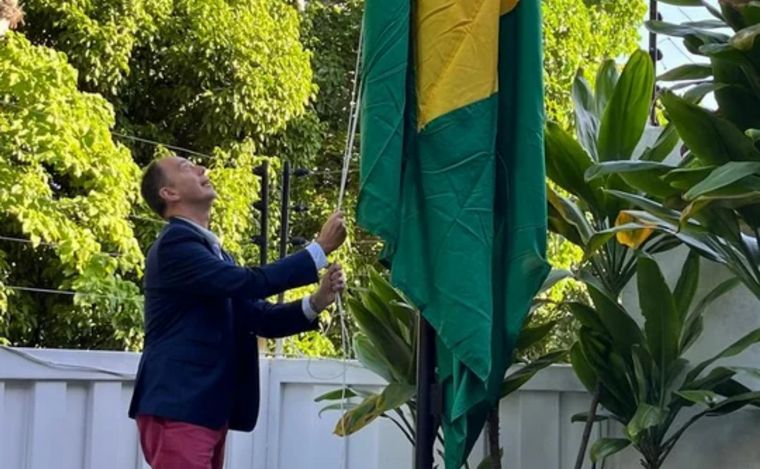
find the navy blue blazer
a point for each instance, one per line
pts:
(200, 362)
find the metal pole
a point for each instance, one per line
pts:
(284, 232)
(426, 425)
(653, 53)
(263, 238)
(264, 203)
(284, 216)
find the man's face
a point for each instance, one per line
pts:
(186, 182)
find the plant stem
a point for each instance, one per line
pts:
(493, 438)
(587, 429)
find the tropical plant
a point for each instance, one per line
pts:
(642, 378)
(386, 344)
(710, 198)
(609, 124)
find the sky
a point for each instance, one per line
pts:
(673, 50)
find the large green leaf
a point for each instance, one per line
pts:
(734, 403)
(566, 163)
(664, 145)
(645, 176)
(744, 40)
(530, 336)
(622, 328)
(683, 3)
(686, 31)
(571, 214)
(706, 24)
(396, 303)
(561, 226)
(732, 350)
(627, 112)
(586, 315)
(723, 176)
(606, 80)
(555, 276)
(605, 447)
(586, 119)
(701, 396)
(686, 178)
(687, 72)
(714, 378)
(711, 138)
(393, 396)
(646, 417)
(742, 193)
(697, 93)
(397, 352)
(662, 323)
(583, 370)
(515, 380)
(642, 372)
(342, 406)
(610, 372)
(336, 395)
(601, 238)
(687, 285)
(371, 358)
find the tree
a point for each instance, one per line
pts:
(66, 183)
(219, 77)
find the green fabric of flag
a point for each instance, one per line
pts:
(452, 179)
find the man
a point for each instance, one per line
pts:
(198, 375)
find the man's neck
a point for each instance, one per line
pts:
(198, 215)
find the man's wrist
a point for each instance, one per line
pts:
(322, 245)
(316, 305)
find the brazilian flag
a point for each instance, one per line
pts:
(452, 179)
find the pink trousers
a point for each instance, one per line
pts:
(168, 444)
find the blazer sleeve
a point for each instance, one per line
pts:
(187, 265)
(274, 321)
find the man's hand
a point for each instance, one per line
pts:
(332, 283)
(333, 233)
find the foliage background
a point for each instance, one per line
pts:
(239, 80)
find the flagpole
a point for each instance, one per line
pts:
(425, 423)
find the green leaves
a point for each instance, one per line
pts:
(662, 323)
(646, 417)
(687, 72)
(713, 139)
(605, 447)
(65, 182)
(626, 113)
(566, 164)
(516, 379)
(372, 322)
(721, 177)
(393, 396)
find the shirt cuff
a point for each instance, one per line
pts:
(307, 309)
(317, 255)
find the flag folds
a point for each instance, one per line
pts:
(452, 179)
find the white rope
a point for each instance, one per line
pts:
(353, 119)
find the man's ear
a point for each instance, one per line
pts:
(168, 194)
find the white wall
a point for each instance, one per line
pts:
(65, 415)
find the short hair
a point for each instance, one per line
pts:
(11, 11)
(153, 180)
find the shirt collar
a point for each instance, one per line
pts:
(208, 234)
